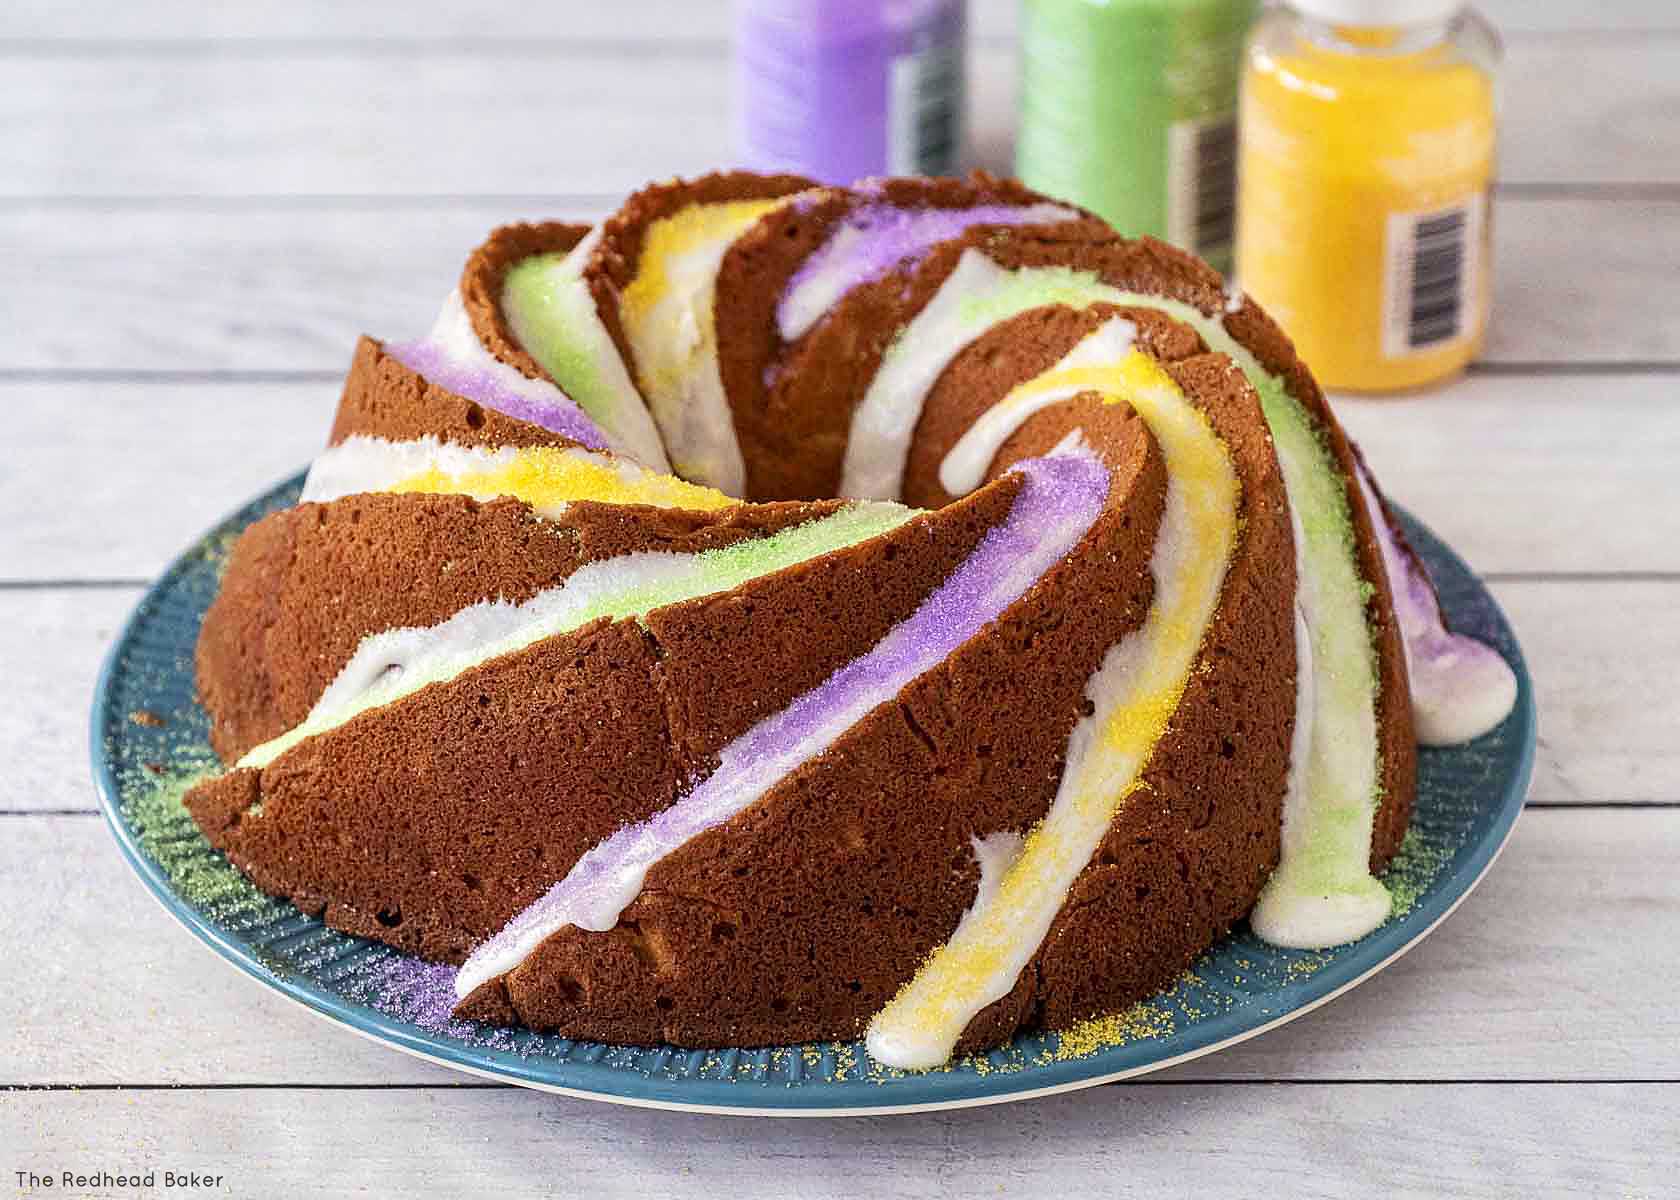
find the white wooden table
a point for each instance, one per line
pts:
(202, 204)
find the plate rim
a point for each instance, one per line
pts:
(618, 1086)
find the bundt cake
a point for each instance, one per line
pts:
(786, 612)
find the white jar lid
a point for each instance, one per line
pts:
(1379, 13)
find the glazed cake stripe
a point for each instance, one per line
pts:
(1322, 892)
(1341, 781)
(669, 322)
(396, 663)
(975, 296)
(1460, 687)
(1134, 694)
(964, 466)
(1061, 497)
(877, 238)
(552, 316)
(452, 357)
(546, 478)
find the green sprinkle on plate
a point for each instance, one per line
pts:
(1468, 801)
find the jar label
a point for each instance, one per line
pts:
(924, 111)
(1202, 184)
(1433, 276)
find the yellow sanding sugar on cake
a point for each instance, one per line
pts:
(678, 235)
(544, 477)
(668, 312)
(1134, 693)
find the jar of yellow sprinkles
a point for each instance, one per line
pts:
(1365, 161)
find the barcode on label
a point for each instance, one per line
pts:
(1431, 287)
(924, 112)
(1202, 184)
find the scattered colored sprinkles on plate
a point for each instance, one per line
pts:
(152, 767)
(169, 837)
(1418, 863)
(1141, 1022)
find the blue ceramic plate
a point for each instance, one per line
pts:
(149, 742)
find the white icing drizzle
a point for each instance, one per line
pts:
(1287, 916)
(1342, 756)
(673, 338)
(995, 853)
(918, 1029)
(395, 663)
(361, 463)
(399, 662)
(610, 398)
(454, 337)
(370, 464)
(964, 467)
(1460, 687)
(886, 417)
(1322, 892)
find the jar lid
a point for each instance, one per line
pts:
(1379, 13)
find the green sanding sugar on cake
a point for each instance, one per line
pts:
(396, 663)
(550, 313)
(1025, 290)
(1319, 497)
(732, 566)
(1322, 892)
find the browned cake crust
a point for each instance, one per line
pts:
(815, 383)
(1186, 858)
(802, 916)
(383, 398)
(430, 822)
(823, 375)
(455, 807)
(304, 586)
(1012, 351)
(834, 363)
(782, 434)
(751, 279)
(861, 860)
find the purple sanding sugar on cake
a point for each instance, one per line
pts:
(562, 416)
(874, 239)
(1060, 498)
(1461, 687)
